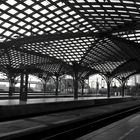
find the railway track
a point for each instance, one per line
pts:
(79, 127)
(86, 126)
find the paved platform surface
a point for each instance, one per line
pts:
(24, 126)
(50, 100)
(125, 129)
(4, 96)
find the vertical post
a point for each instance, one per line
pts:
(82, 85)
(75, 88)
(60, 86)
(11, 86)
(23, 86)
(44, 85)
(26, 85)
(57, 84)
(108, 89)
(29, 84)
(75, 80)
(123, 87)
(108, 81)
(123, 81)
(88, 86)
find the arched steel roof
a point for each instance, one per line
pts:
(100, 36)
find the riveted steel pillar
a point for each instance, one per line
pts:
(108, 89)
(123, 87)
(123, 81)
(57, 84)
(24, 86)
(108, 81)
(44, 87)
(82, 86)
(44, 80)
(75, 88)
(11, 86)
(75, 80)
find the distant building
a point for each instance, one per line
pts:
(138, 79)
(134, 80)
(3, 87)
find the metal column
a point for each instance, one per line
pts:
(23, 86)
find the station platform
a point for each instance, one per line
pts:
(35, 95)
(125, 129)
(4, 96)
(31, 127)
(54, 99)
(14, 108)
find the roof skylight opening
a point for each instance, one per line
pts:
(129, 2)
(21, 15)
(12, 11)
(7, 33)
(73, 23)
(62, 22)
(77, 16)
(50, 15)
(3, 7)
(64, 31)
(36, 15)
(75, 31)
(58, 12)
(55, 25)
(64, 16)
(14, 28)
(28, 11)
(35, 30)
(35, 23)
(69, 19)
(44, 11)
(49, 22)
(28, 19)
(133, 38)
(6, 25)
(81, 20)
(56, 19)
(52, 7)
(42, 26)
(82, 28)
(1, 30)
(60, 4)
(11, 2)
(21, 31)
(20, 7)
(5, 16)
(72, 13)
(102, 0)
(13, 20)
(43, 19)
(28, 2)
(28, 34)
(28, 27)
(37, 7)
(48, 29)
(60, 28)
(21, 23)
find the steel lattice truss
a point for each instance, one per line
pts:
(47, 36)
